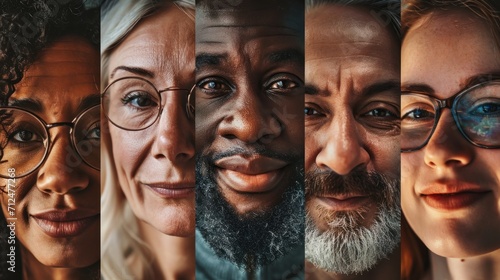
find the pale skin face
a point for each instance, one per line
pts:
(351, 100)
(443, 52)
(161, 50)
(57, 87)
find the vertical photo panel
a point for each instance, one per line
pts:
(450, 139)
(148, 155)
(352, 145)
(249, 106)
(49, 140)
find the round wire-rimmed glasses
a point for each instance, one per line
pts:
(134, 103)
(475, 111)
(25, 140)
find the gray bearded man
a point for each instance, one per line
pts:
(352, 124)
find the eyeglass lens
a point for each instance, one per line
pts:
(477, 113)
(131, 103)
(24, 140)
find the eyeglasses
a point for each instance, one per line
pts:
(475, 111)
(25, 140)
(133, 103)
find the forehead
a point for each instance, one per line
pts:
(235, 28)
(445, 49)
(344, 42)
(161, 43)
(64, 74)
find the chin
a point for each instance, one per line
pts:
(463, 245)
(75, 259)
(175, 221)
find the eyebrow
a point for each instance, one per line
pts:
(134, 70)
(367, 91)
(34, 105)
(471, 81)
(30, 104)
(208, 59)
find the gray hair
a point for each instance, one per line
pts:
(120, 238)
(387, 12)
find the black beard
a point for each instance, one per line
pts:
(254, 239)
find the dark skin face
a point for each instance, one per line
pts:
(249, 102)
(58, 86)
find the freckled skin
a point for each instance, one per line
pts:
(252, 114)
(442, 51)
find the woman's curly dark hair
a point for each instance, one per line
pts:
(27, 26)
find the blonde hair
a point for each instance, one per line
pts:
(121, 243)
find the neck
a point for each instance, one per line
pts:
(33, 269)
(485, 266)
(387, 269)
(174, 256)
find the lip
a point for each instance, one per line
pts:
(171, 190)
(345, 202)
(65, 223)
(251, 174)
(453, 195)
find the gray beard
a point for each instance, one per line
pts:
(254, 239)
(350, 248)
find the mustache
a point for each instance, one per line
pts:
(383, 188)
(252, 151)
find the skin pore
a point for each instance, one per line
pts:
(58, 86)
(352, 120)
(464, 241)
(160, 49)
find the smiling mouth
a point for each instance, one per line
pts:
(454, 201)
(166, 190)
(60, 224)
(251, 174)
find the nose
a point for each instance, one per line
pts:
(251, 119)
(342, 148)
(447, 147)
(174, 140)
(62, 172)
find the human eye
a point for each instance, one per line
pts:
(139, 100)
(380, 113)
(486, 108)
(310, 111)
(283, 83)
(23, 136)
(94, 132)
(214, 86)
(418, 115)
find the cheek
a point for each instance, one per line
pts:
(311, 150)
(129, 148)
(385, 153)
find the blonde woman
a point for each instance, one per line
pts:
(148, 148)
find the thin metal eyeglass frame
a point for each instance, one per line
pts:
(450, 103)
(48, 126)
(189, 106)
